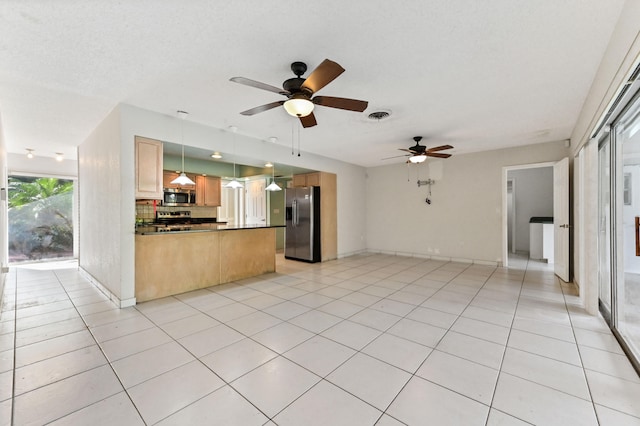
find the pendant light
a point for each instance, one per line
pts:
(183, 179)
(234, 183)
(273, 186)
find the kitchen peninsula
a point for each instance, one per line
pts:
(204, 255)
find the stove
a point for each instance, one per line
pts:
(173, 218)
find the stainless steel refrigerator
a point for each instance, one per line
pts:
(302, 235)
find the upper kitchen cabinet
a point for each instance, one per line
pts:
(148, 168)
(207, 191)
(307, 179)
(168, 176)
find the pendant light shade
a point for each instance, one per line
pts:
(234, 184)
(273, 186)
(183, 179)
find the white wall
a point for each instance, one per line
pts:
(101, 181)
(465, 217)
(533, 197)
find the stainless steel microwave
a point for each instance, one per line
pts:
(178, 197)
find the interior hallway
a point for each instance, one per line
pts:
(369, 339)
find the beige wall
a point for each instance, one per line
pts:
(464, 220)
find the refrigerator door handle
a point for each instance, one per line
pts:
(294, 213)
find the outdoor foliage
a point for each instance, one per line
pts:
(40, 218)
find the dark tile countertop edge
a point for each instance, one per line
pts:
(153, 230)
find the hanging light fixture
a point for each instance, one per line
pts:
(59, 156)
(216, 155)
(269, 164)
(183, 179)
(273, 186)
(234, 183)
(29, 153)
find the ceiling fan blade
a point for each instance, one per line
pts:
(262, 108)
(259, 85)
(397, 156)
(341, 103)
(406, 150)
(439, 148)
(438, 155)
(308, 121)
(324, 74)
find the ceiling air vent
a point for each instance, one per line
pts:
(379, 115)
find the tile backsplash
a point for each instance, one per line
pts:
(145, 211)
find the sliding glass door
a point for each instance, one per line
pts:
(626, 279)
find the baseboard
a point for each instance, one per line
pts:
(115, 299)
(495, 264)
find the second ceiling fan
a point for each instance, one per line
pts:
(419, 153)
(300, 91)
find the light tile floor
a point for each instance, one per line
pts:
(370, 339)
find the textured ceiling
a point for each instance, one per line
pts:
(475, 74)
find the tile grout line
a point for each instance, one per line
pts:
(103, 354)
(504, 353)
(15, 336)
(593, 403)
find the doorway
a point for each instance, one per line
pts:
(527, 194)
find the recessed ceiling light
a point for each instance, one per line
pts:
(216, 155)
(269, 164)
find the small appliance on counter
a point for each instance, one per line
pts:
(302, 236)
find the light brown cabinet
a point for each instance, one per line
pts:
(307, 179)
(207, 191)
(148, 160)
(328, 209)
(168, 176)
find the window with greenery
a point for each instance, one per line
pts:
(40, 218)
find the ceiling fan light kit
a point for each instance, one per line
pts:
(298, 106)
(419, 158)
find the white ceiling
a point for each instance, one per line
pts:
(475, 74)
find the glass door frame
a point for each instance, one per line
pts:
(616, 267)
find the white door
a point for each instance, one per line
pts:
(256, 204)
(561, 218)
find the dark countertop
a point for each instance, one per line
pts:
(541, 219)
(201, 227)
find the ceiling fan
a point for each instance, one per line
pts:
(419, 153)
(300, 91)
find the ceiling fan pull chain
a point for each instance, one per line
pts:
(298, 141)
